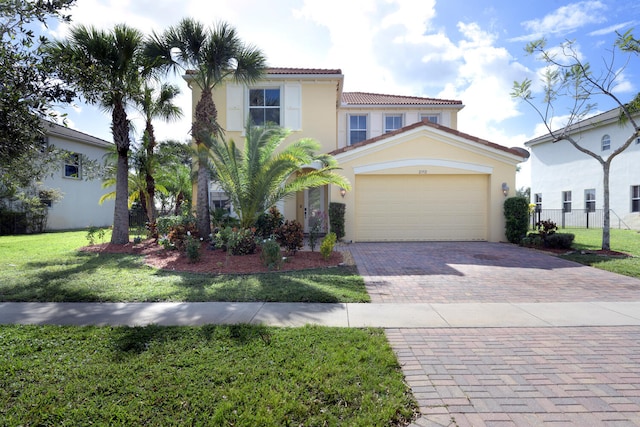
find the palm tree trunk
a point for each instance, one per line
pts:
(120, 129)
(151, 183)
(204, 127)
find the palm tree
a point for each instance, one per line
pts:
(260, 174)
(107, 68)
(154, 105)
(209, 56)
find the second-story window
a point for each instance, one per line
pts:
(392, 122)
(357, 128)
(72, 166)
(606, 143)
(264, 106)
(433, 118)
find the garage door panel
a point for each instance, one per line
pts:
(435, 207)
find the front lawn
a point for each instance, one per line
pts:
(627, 241)
(48, 267)
(211, 375)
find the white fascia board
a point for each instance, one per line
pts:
(423, 162)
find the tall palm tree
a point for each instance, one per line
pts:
(154, 104)
(210, 56)
(260, 174)
(107, 68)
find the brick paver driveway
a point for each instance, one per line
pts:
(580, 376)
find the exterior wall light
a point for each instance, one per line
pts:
(505, 189)
(343, 192)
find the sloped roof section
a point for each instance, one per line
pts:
(298, 71)
(516, 151)
(54, 129)
(365, 98)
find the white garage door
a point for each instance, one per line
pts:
(422, 207)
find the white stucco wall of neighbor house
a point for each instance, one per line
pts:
(79, 207)
(559, 167)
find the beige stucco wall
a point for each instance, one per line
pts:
(429, 151)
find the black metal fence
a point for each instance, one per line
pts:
(577, 218)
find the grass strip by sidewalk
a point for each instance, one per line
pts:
(211, 375)
(48, 267)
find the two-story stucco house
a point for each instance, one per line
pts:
(414, 176)
(79, 207)
(571, 182)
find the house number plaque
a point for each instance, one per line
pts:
(422, 172)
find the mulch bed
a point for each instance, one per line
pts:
(214, 261)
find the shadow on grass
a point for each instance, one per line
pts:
(327, 285)
(53, 280)
(136, 340)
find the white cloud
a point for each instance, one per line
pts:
(565, 20)
(612, 28)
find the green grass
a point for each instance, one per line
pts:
(48, 267)
(627, 241)
(210, 375)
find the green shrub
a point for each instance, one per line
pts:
(516, 213)
(242, 242)
(271, 255)
(559, 240)
(192, 247)
(268, 222)
(546, 228)
(93, 232)
(290, 236)
(336, 218)
(173, 230)
(327, 245)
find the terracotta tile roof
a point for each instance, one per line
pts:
(284, 70)
(521, 152)
(364, 98)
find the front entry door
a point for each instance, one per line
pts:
(313, 206)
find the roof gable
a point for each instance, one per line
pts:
(54, 129)
(515, 151)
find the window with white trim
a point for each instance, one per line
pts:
(590, 200)
(566, 201)
(357, 128)
(537, 199)
(432, 118)
(606, 143)
(392, 122)
(72, 166)
(264, 106)
(635, 198)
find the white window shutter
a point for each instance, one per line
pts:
(235, 110)
(293, 106)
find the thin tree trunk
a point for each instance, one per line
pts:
(606, 227)
(120, 129)
(202, 208)
(150, 181)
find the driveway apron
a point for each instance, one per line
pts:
(513, 376)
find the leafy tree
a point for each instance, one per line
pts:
(28, 89)
(174, 173)
(107, 68)
(260, 174)
(567, 76)
(210, 56)
(154, 104)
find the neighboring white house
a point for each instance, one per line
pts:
(79, 207)
(569, 182)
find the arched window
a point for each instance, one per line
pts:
(606, 143)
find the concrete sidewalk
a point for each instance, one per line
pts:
(384, 315)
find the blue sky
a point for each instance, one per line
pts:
(470, 50)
